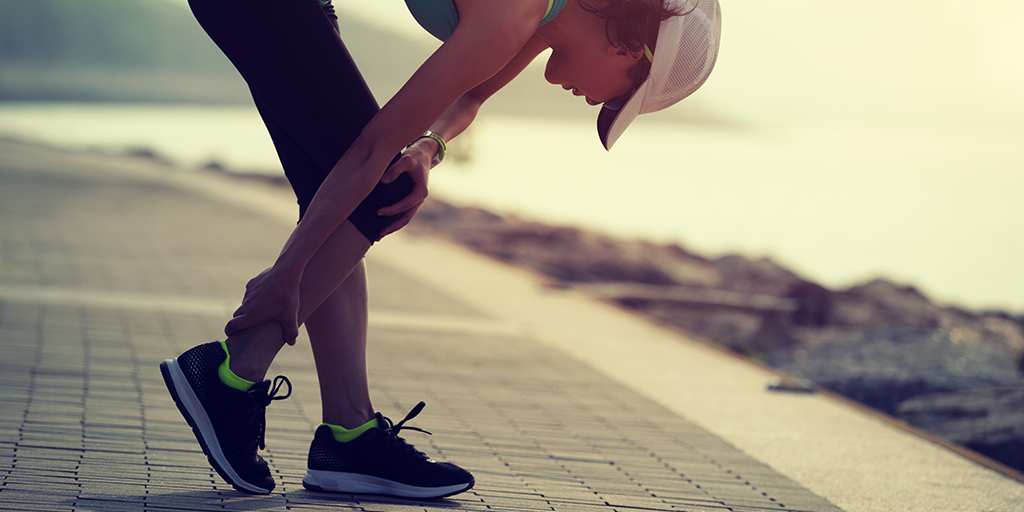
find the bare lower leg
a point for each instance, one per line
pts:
(337, 333)
(253, 350)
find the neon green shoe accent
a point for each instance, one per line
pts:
(227, 376)
(344, 435)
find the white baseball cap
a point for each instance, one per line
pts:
(684, 56)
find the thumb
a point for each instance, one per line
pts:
(238, 323)
(394, 171)
(291, 332)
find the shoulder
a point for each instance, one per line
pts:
(513, 11)
(503, 26)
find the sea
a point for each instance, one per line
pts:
(848, 142)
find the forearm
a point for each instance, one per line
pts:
(457, 118)
(452, 123)
(354, 177)
(434, 97)
(461, 114)
(351, 180)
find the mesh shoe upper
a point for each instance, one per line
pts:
(381, 453)
(235, 420)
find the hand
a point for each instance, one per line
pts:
(271, 296)
(415, 162)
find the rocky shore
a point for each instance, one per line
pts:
(955, 373)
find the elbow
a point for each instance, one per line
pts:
(364, 161)
(473, 100)
(377, 143)
(361, 149)
(369, 150)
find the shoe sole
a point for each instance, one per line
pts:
(192, 409)
(355, 483)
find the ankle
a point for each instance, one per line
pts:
(252, 351)
(350, 419)
(228, 376)
(344, 435)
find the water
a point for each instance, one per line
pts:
(936, 207)
(191, 135)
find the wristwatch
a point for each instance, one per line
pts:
(442, 148)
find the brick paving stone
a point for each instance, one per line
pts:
(24, 502)
(86, 423)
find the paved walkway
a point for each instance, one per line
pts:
(106, 270)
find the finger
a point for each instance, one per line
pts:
(400, 222)
(394, 171)
(239, 323)
(415, 197)
(291, 331)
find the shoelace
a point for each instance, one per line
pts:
(394, 428)
(262, 401)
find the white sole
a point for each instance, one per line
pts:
(200, 421)
(356, 483)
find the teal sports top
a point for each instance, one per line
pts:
(439, 17)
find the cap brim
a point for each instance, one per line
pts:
(612, 123)
(685, 54)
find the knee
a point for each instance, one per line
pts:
(365, 216)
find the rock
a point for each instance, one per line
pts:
(761, 276)
(881, 304)
(730, 328)
(987, 420)
(814, 304)
(790, 384)
(885, 368)
(773, 335)
(566, 253)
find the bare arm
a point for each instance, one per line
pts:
(416, 160)
(462, 114)
(489, 36)
(479, 48)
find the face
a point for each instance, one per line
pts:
(598, 76)
(584, 62)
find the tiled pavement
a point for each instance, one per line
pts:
(103, 275)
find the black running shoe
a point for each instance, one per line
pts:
(228, 423)
(380, 462)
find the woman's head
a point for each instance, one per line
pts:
(609, 50)
(598, 46)
(632, 25)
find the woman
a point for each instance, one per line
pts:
(360, 173)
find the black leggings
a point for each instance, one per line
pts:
(306, 87)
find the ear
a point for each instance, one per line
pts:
(622, 51)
